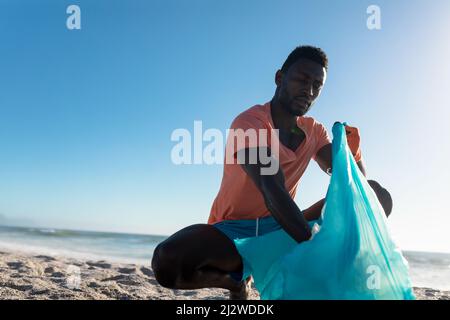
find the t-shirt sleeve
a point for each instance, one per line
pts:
(246, 131)
(322, 137)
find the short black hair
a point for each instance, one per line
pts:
(306, 52)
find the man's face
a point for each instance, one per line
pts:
(300, 86)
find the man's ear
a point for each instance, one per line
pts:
(278, 77)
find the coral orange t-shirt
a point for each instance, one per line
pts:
(238, 197)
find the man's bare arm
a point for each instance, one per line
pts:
(278, 200)
(324, 159)
(315, 211)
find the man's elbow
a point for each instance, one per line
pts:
(271, 185)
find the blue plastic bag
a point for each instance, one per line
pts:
(351, 255)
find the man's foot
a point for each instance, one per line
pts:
(244, 291)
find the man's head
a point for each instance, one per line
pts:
(301, 78)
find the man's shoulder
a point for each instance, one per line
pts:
(256, 115)
(311, 122)
(258, 110)
(316, 129)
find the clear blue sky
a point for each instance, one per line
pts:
(86, 115)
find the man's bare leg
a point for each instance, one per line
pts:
(199, 256)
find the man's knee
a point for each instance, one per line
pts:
(164, 265)
(383, 196)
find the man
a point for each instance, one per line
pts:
(250, 203)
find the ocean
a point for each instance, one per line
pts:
(427, 269)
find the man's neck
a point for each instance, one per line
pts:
(282, 119)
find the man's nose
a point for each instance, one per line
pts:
(309, 91)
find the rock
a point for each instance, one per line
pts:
(127, 270)
(99, 264)
(15, 265)
(93, 285)
(148, 272)
(49, 270)
(45, 258)
(58, 275)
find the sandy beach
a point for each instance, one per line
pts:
(28, 276)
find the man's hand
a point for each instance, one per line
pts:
(323, 156)
(353, 140)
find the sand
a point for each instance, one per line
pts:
(28, 276)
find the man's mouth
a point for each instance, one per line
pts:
(303, 101)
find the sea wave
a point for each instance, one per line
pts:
(53, 233)
(63, 233)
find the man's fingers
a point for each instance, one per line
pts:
(348, 129)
